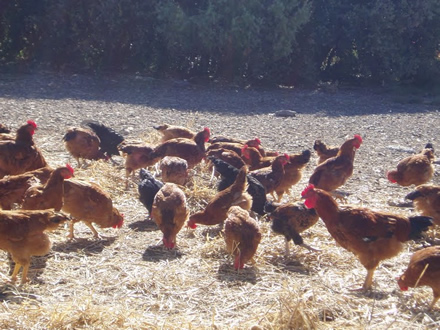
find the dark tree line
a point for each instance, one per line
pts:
(276, 41)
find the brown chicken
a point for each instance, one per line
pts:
(292, 172)
(242, 236)
(193, 151)
(235, 146)
(174, 170)
(136, 157)
(416, 169)
(20, 155)
(89, 203)
(254, 159)
(271, 177)
(423, 269)
(335, 171)
(83, 143)
(216, 210)
(427, 201)
(48, 195)
(290, 220)
(170, 212)
(13, 187)
(229, 156)
(173, 132)
(371, 236)
(323, 151)
(22, 234)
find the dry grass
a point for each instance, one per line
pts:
(128, 280)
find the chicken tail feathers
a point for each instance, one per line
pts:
(419, 224)
(413, 195)
(270, 206)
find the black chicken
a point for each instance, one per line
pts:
(148, 188)
(255, 188)
(110, 139)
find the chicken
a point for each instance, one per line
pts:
(20, 155)
(242, 236)
(229, 156)
(174, 170)
(235, 146)
(193, 151)
(109, 138)
(254, 159)
(290, 220)
(427, 201)
(371, 236)
(170, 212)
(423, 269)
(216, 210)
(89, 203)
(271, 177)
(22, 234)
(83, 143)
(416, 169)
(13, 187)
(173, 132)
(136, 157)
(324, 152)
(229, 175)
(292, 172)
(335, 171)
(148, 188)
(48, 195)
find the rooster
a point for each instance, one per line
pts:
(371, 236)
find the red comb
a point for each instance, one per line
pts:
(258, 140)
(307, 189)
(70, 168)
(287, 156)
(358, 137)
(206, 129)
(32, 123)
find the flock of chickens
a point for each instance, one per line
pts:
(35, 198)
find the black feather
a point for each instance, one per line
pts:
(148, 188)
(255, 188)
(414, 195)
(110, 139)
(419, 224)
(69, 135)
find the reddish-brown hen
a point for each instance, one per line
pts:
(22, 234)
(271, 177)
(173, 132)
(216, 210)
(372, 236)
(20, 155)
(335, 171)
(13, 187)
(89, 203)
(174, 170)
(193, 151)
(136, 157)
(170, 212)
(83, 143)
(254, 159)
(427, 201)
(323, 151)
(416, 169)
(423, 269)
(49, 195)
(242, 235)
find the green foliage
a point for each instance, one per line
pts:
(277, 41)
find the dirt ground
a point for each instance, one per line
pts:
(128, 280)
